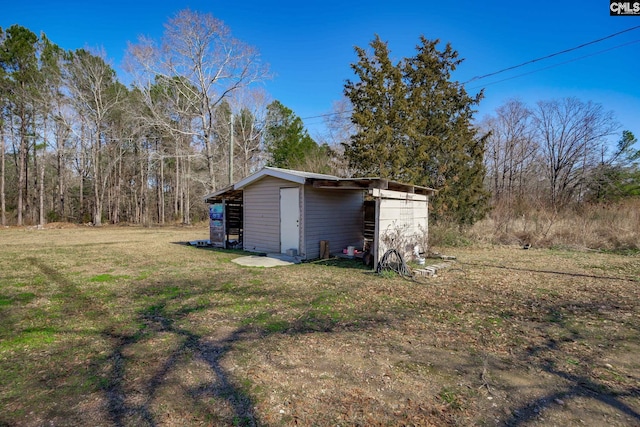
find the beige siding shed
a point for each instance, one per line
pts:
(335, 216)
(330, 208)
(262, 214)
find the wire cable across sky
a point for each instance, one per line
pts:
(523, 64)
(554, 65)
(552, 55)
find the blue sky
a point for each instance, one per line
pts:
(309, 45)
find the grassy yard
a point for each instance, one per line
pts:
(130, 327)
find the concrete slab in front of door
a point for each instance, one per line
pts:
(271, 260)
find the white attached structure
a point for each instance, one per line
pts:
(291, 212)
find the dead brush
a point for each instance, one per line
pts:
(613, 227)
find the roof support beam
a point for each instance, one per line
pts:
(342, 184)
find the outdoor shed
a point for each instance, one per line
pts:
(301, 214)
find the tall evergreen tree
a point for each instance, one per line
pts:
(619, 176)
(414, 125)
(19, 61)
(3, 113)
(380, 111)
(286, 140)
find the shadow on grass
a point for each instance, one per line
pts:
(548, 357)
(77, 300)
(156, 321)
(561, 273)
(581, 386)
(163, 312)
(127, 404)
(230, 251)
(349, 263)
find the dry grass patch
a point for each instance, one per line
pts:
(124, 326)
(613, 227)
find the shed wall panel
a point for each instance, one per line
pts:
(262, 214)
(402, 225)
(333, 215)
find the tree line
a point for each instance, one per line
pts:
(413, 123)
(557, 155)
(78, 145)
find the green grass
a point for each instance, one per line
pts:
(30, 338)
(450, 397)
(108, 278)
(102, 278)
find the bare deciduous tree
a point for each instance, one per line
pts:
(339, 128)
(95, 94)
(571, 133)
(249, 127)
(204, 62)
(511, 149)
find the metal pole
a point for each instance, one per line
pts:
(231, 153)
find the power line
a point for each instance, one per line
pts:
(522, 65)
(552, 55)
(326, 115)
(555, 65)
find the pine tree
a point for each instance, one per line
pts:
(619, 176)
(286, 140)
(414, 125)
(379, 102)
(19, 61)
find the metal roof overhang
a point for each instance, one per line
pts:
(373, 183)
(227, 193)
(329, 182)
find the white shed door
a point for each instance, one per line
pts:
(289, 219)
